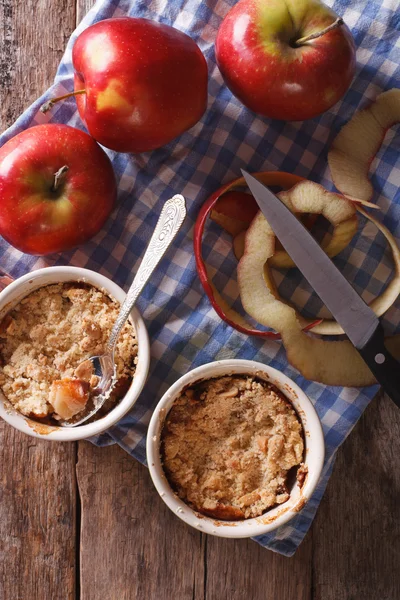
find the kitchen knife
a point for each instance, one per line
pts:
(358, 321)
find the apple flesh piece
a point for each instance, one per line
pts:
(229, 224)
(271, 59)
(234, 211)
(358, 142)
(69, 397)
(57, 188)
(145, 82)
(238, 244)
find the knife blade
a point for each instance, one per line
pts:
(358, 321)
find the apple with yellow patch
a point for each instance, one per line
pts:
(138, 84)
(285, 59)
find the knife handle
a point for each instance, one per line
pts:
(382, 364)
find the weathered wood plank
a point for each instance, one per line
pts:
(132, 547)
(37, 518)
(356, 534)
(242, 570)
(33, 36)
(82, 7)
(37, 496)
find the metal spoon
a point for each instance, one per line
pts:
(168, 225)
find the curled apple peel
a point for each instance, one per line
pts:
(234, 211)
(312, 198)
(329, 362)
(221, 307)
(332, 363)
(236, 222)
(358, 142)
(341, 213)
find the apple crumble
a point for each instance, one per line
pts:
(46, 336)
(228, 444)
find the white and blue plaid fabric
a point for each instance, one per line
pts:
(184, 329)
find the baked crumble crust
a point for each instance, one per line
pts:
(49, 333)
(228, 444)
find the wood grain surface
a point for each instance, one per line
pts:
(38, 482)
(79, 522)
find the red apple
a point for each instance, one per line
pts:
(57, 188)
(145, 83)
(289, 60)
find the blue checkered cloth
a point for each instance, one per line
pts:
(184, 329)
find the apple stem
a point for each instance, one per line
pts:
(50, 103)
(59, 177)
(313, 36)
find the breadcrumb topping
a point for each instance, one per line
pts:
(49, 333)
(228, 444)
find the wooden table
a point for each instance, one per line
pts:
(77, 521)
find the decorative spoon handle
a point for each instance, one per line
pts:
(168, 225)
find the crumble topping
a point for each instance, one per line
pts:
(228, 444)
(48, 334)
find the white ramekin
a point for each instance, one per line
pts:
(314, 451)
(23, 286)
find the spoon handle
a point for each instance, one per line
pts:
(168, 225)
